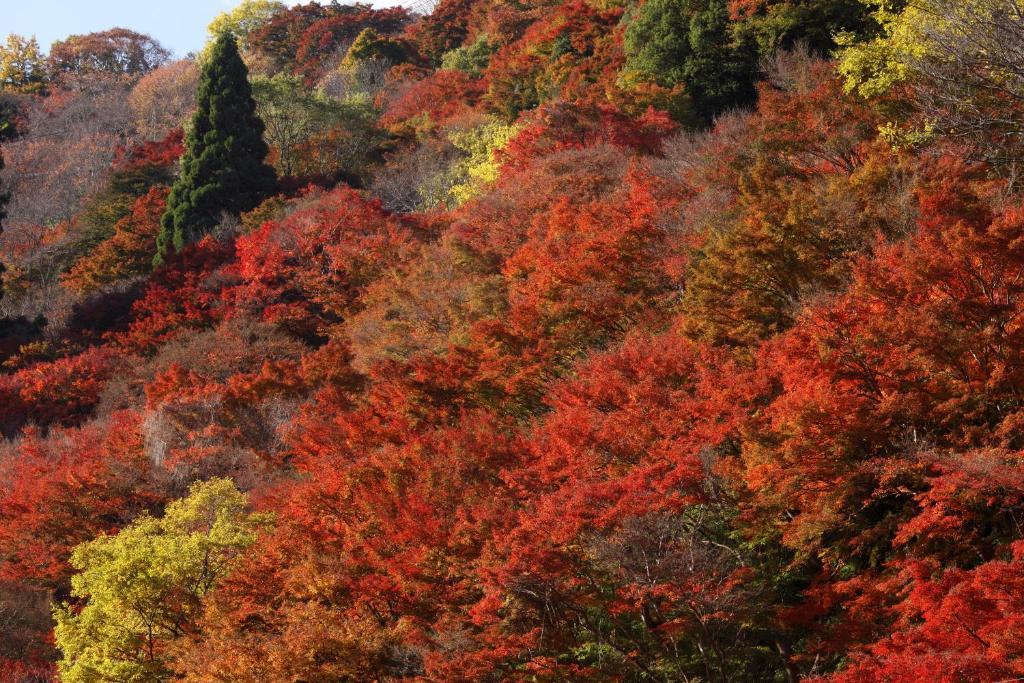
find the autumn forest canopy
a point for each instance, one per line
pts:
(517, 340)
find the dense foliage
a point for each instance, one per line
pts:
(654, 340)
(146, 583)
(118, 51)
(223, 169)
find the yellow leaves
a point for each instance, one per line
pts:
(907, 138)
(908, 37)
(873, 67)
(469, 176)
(144, 586)
(242, 20)
(22, 67)
(480, 167)
(942, 68)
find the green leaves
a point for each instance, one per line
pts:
(691, 43)
(471, 59)
(223, 170)
(293, 114)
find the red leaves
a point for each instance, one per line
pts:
(971, 505)
(128, 252)
(569, 52)
(959, 625)
(623, 440)
(584, 273)
(305, 37)
(883, 448)
(184, 294)
(806, 117)
(61, 392)
(733, 405)
(159, 153)
(67, 488)
(556, 127)
(57, 491)
(611, 477)
(322, 39)
(441, 97)
(948, 301)
(308, 269)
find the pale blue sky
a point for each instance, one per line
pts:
(180, 25)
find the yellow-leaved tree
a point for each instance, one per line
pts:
(476, 170)
(140, 589)
(22, 65)
(949, 69)
(248, 16)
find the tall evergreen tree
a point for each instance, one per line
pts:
(223, 169)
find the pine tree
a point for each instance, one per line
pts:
(223, 169)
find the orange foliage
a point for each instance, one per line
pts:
(128, 252)
(736, 404)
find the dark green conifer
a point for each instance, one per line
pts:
(223, 169)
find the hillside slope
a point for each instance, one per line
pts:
(675, 340)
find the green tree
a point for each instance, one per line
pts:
(292, 114)
(814, 24)
(472, 59)
(692, 43)
(223, 169)
(144, 586)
